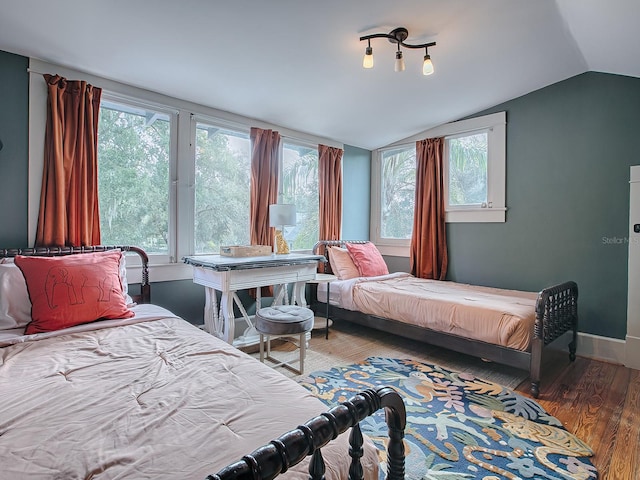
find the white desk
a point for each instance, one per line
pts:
(230, 274)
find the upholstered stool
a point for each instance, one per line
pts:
(283, 321)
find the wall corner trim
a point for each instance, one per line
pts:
(632, 349)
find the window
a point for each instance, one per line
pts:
(222, 188)
(398, 193)
(299, 185)
(133, 176)
(466, 183)
(474, 180)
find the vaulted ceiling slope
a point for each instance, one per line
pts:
(298, 63)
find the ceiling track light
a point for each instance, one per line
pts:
(398, 36)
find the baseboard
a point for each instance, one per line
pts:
(633, 352)
(607, 349)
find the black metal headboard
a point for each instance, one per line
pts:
(145, 287)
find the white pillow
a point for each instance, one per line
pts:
(123, 280)
(15, 306)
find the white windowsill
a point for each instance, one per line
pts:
(161, 272)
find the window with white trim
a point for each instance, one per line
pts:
(135, 165)
(134, 156)
(474, 166)
(222, 188)
(298, 185)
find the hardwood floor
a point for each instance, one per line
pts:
(597, 401)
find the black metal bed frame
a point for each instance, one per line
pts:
(275, 458)
(145, 286)
(556, 313)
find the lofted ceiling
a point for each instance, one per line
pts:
(298, 63)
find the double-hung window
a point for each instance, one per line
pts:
(298, 185)
(138, 196)
(134, 158)
(222, 187)
(473, 179)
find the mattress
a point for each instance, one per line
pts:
(492, 315)
(148, 397)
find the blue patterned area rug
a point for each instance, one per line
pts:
(460, 426)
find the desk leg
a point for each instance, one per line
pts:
(299, 297)
(228, 320)
(211, 319)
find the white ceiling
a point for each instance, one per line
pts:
(298, 63)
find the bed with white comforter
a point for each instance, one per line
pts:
(146, 397)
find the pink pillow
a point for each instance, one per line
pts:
(342, 265)
(367, 258)
(70, 290)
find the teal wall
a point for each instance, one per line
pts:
(569, 149)
(14, 159)
(356, 193)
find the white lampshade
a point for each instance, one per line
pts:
(282, 214)
(367, 62)
(427, 65)
(399, 65)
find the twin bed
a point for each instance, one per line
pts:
(148, 395)
(505, 326)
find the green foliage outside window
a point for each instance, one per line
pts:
(299, 185)
(223, 176)
(468, 170)
(398, 193)
(133, 179)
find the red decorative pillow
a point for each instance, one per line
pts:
(70, 290)
(367, 258)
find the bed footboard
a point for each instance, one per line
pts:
(556, 314)
(291, 448)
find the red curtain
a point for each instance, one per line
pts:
(330, 192)
(265, 145)
(69, 214)
(428, 243)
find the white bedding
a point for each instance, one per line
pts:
(497, 316)
(154, 397)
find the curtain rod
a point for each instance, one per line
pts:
(29, 70)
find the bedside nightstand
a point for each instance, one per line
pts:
(325, 322)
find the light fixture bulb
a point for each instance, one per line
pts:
(399, 66)
(367, 62)
(427, 65)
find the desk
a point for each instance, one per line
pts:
(230, 274)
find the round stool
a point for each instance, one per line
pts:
(283, 321)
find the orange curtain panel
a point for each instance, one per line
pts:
(265, 145)
(428, 243)
(69, 212)
(330, 193)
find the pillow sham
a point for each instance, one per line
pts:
(341, 263)
(367, 259)
(74, 289)
(15, 306)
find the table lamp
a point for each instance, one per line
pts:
(281, 214)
